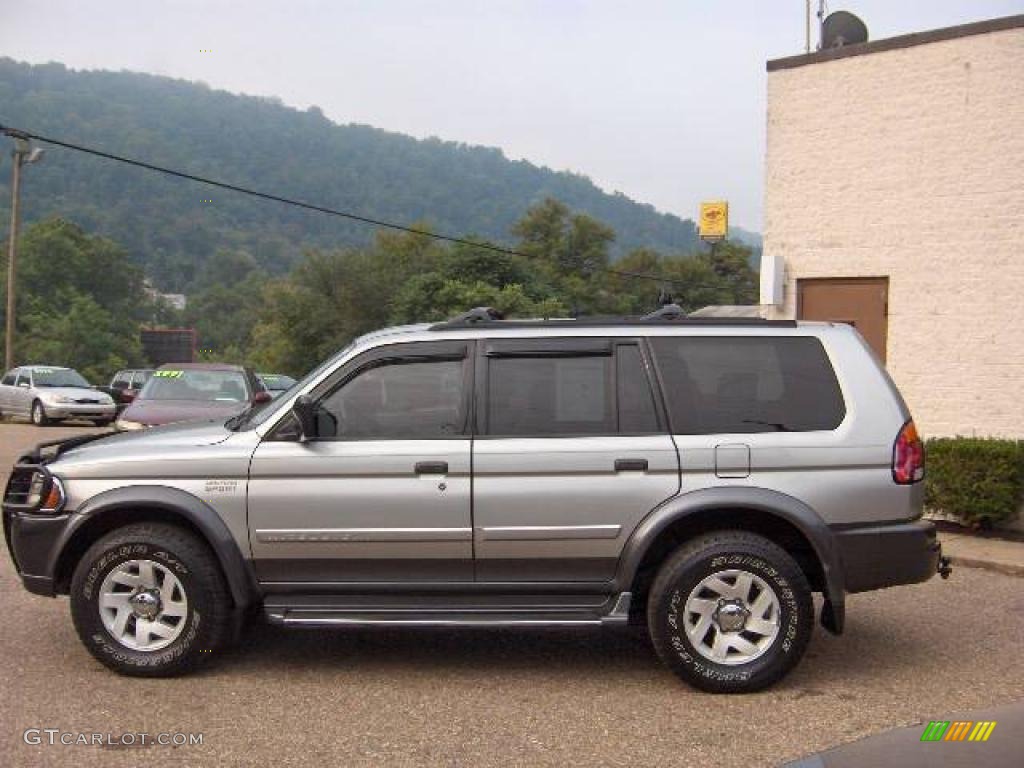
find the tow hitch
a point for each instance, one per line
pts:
(944, 567)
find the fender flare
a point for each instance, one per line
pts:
(237, 569)
(773, 503)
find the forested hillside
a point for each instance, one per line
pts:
(169, 229)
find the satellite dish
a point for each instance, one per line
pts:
(842, 28)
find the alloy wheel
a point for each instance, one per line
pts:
(143, 605)
(732, 617)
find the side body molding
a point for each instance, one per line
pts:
(769, 502)
(237, 569)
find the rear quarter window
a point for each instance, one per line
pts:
(748, 384)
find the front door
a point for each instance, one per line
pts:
(572, 452)
(382, 493)
(862, 302)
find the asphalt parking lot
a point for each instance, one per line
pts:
(499, 697)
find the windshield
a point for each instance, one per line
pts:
(199, 385)
(276, 382)
(58, 377)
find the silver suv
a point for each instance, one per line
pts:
(700, 477)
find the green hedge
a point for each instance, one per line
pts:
(978, 480)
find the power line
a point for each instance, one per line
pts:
(18, 133)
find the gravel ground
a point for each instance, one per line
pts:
(501, 697)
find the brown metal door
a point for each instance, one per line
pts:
(860, 301)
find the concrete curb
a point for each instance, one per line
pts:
(1010, 569)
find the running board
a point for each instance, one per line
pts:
(304, 616)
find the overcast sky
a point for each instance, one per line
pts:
(663, 101)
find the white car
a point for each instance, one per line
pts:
(48, 393)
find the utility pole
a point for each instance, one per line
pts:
(22, 154)
(807, 26)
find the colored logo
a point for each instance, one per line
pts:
(958, 730)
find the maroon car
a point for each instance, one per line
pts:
(193, 392)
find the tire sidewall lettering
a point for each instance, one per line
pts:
(102, 640)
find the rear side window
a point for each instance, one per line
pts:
(748, 384)
(542, 396)
(637, 414)
(578, 393)
(8, 379)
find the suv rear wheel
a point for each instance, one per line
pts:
(730, 612)
(149, 600)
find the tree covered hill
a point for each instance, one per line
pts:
(171, 227)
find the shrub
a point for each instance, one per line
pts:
(978, 480)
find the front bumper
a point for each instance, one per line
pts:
(80, 410)
(879, 556)
(34, 542)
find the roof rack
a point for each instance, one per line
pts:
(670, 314)
(474, 316)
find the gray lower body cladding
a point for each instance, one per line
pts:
(879, 556)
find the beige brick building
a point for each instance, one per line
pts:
(895, 201)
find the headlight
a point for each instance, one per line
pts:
(34, 491)
(128, 425)
(58, 399)
(54, 494)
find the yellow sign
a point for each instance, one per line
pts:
(714, 220)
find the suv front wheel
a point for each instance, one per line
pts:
(149, 600)
(730, 612)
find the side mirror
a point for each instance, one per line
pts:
(261, 397)
(24, 384)
(305, 412)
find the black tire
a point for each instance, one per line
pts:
(38, 414)
(703, 557)
(206, 622)
(102, 422)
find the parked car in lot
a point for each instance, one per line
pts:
(701, 477)
(192, 391)
(49, 393)
(125, 386)
(276, 383)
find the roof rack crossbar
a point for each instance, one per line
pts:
(473, 316)
(667, 312)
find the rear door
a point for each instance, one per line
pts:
(572, 451)
(21, 395)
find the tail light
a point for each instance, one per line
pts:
(908, 456)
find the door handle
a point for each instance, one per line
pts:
(431, 467)
(631, 465)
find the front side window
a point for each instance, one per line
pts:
(123, 380)
(397, 400)
(719, 384)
